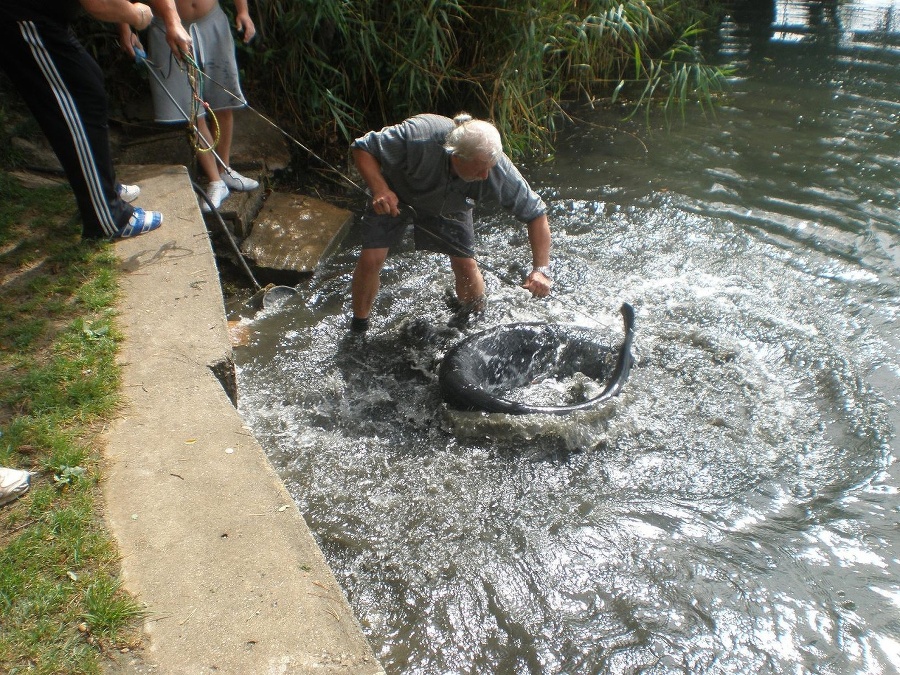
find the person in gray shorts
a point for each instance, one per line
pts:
(433, 170)
(217, 85)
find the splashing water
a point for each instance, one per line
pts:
(735, 509)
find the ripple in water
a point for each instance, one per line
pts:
(677, 528)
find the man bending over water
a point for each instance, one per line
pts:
(440, 167)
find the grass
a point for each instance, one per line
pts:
(61, 602)
(333, 69)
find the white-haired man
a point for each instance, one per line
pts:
(440, 167)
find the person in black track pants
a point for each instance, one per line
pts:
(64, 88)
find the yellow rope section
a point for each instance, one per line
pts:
(196, 104)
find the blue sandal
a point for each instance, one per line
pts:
(140, 222)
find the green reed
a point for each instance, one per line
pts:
(330, 69)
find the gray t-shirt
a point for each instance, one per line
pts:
(416, 166)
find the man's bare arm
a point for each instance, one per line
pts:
(538, 282)
(135, 14)
(384, 200)
(242, 20)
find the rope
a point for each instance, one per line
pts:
(197, 103)
(140, 57)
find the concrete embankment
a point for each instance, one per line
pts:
(211, 541)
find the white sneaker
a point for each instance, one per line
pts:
(128, 193)
(237, 182)
(13, 484)
(217, 192)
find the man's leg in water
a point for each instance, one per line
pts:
(365, 285)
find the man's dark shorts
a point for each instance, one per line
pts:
(441, 234)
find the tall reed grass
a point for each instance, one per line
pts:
(331, 68)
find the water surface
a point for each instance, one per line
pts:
(735, 509)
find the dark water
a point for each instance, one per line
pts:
(735, 509)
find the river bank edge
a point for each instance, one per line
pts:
(210, 539)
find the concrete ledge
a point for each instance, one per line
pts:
(211, 541)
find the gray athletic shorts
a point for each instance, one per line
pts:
(213, 53)
(451, 236)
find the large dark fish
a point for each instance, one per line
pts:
(476, 373)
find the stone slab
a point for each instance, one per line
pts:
(211, 542)
(295, 232)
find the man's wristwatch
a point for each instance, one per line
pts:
(543, 269)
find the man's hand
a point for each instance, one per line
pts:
(386, 203)
(129, 40)
(539, 236)
(245, 27)
(179, 40)
(538, 283)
